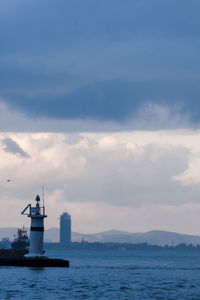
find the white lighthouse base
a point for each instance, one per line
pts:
(35, 256)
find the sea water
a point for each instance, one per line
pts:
(162, 274)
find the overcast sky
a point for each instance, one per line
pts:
(99, 102)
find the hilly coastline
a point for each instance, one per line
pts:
(153, 237)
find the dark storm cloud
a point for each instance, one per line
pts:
(99, 59)
(116, 101)
(12, 147)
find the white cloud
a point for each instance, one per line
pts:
(124, 180)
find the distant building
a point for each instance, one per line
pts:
(65, 228)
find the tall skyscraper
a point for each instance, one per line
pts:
(65, 228)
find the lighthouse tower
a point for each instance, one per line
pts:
(37, 215)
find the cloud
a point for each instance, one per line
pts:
(99, 168)
(150, 116)
(104, 177)
(119, 176)
(12, 147)
(104, 65)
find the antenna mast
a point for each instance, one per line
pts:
(43, 198)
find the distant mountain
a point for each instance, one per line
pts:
(52, 234)
(113, 232)
(154, 237)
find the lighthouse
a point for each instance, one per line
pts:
(37, 215)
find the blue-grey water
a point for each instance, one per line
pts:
(108, 275)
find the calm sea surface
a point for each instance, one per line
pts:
(108, 275)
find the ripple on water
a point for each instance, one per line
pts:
(99, 276)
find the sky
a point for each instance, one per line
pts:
(99, 102)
